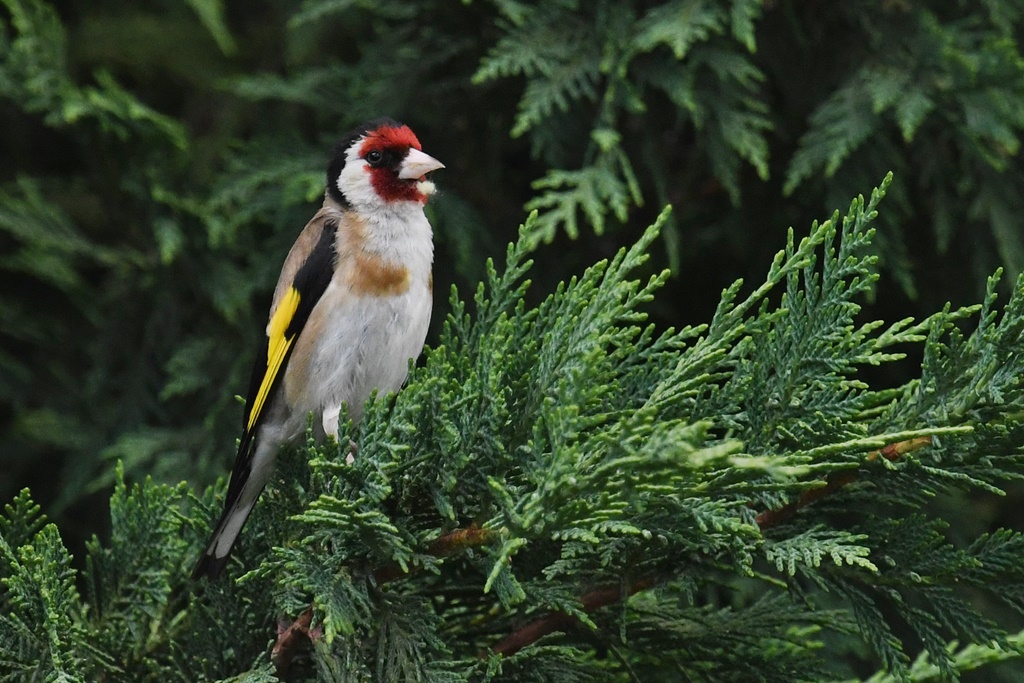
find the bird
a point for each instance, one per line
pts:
(350, 309)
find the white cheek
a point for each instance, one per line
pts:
(354, 183)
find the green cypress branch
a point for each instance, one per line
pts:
(602, 597)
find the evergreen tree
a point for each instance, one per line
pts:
(566, 492)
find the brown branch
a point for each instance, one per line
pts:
(288, 640)
(602, 597)
(443, 546)
(895, 451)
(560, 621)
(460, 539)
(835, 482)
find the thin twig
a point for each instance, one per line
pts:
(891, 452)
(560, 621)
(443, 546)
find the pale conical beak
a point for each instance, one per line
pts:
(417, 164)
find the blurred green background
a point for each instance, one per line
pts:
(157, 159)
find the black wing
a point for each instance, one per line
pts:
(290, 315)
(289, 319)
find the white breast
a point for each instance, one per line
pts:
(363, 342)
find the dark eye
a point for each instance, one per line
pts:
(374, 157)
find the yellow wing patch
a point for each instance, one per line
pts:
(277, 349)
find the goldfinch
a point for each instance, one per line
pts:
(350, 309)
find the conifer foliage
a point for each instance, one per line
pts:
(565, 492)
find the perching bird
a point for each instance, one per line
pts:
(351, 308)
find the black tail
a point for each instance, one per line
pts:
(229, 527)
(209, 566)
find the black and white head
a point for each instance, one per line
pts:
(378, 165)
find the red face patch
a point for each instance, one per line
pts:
(387, 137)
(391, 188)
(385, 179)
